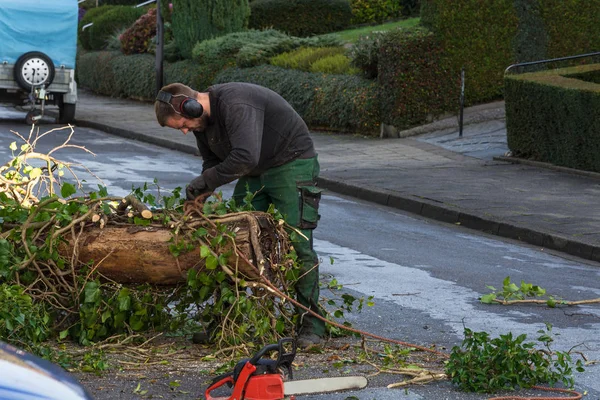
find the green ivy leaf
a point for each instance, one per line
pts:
(13, 146)
(67, 190)
(211, 262)
(204, 251)
(488, 298)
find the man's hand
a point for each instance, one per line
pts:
(196, 187)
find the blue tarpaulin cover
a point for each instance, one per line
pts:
(49, 26)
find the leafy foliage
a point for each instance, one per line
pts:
(510, 291)
(90, 16)
(194, 21)
(374, 11)
(301, 17)
(22, 321)
(109, 22)
(365, 53)
(334, 64)
(304, 57)
(415, 83)
(137, 38)
(487, 365)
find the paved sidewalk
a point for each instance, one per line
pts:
(435, 174)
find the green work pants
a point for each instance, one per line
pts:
(292, 189)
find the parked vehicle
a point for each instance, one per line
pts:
(24, 376)
(38, 45)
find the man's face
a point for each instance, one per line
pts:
(187, 124)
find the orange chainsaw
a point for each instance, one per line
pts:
(261, 378)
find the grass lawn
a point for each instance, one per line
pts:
(351, 35)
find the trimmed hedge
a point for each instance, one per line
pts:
(414, 82)
(334, 102)
(572, 26)
(555, 118)
(477, 35)
(301, 17)
(194, 21)
(486, 36)
(113, 74)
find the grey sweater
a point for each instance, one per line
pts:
(250, 129)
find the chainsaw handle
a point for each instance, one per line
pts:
(265, 350)
(227, 378)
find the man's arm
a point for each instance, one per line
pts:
(244, 126)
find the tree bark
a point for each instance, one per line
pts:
(137, 254)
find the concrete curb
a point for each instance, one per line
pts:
(426, 208)
(169, 144)
(484, 223)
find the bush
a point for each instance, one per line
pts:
(374, 11)
(333, 102)
(252, 48)
(415, 84)
(135, 76)
(137, 38)
(335, 64)
(111, 21)
(301, 17)
(304, 57)
(365, 54)
(194, 21)
(554, 116)
(94, 71)
(90, 16)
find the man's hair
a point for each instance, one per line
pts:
(165, 111)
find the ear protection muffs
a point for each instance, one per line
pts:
(188, 107)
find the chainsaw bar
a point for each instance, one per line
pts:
(324, 385)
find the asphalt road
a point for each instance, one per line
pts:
(425, 277)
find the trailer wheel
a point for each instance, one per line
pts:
(34, 69)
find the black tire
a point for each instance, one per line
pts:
(34, 68)
(66, 113)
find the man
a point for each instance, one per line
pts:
(250, 133)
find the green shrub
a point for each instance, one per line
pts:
(90, 16)
(583, 32)
(554, 118)
(137, 38)
(365, 54)
(94, 71)
(254, 47)
(196, 20)
(414, 82)
(304, 57)
(301, 17)
(228, 46)
(135, 76)
(22, 321)
(477, 35)
(111, 21)
(333, 102)
(334, 64)
(374, 11)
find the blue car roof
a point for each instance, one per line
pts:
(48, 26)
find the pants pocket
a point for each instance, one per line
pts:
(310, 196)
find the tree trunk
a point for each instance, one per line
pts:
(137, 254)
